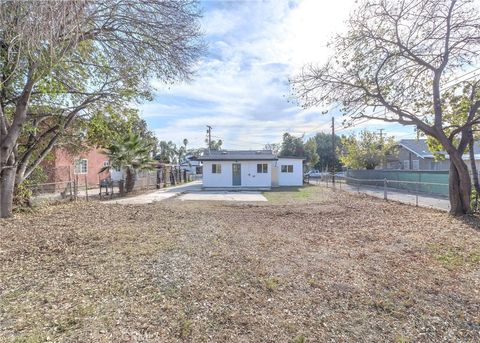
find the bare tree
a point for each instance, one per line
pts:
(275, 147)
(59, 58)
(402, 56)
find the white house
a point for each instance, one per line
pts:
(255, 169)
(191, 165)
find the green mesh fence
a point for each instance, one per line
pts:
(431, 182)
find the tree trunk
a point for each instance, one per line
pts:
(459, 185)
(129, 181)
(7, 184)
(474, 170)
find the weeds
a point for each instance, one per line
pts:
(271, 283)
(454, 257)
(300, 339)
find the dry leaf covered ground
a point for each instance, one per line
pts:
(310, 265)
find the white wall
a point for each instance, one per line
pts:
(250, 177)
(290, 179)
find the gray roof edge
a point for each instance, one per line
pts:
(292, 157)
(209, 158)
(411, 150)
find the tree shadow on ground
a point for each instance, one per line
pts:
(472, 220)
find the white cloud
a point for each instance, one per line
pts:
(241, 87)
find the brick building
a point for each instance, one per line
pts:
(63, 167)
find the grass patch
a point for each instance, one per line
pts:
(300, 339)
(184, 327)
(36, 337)
(307, 193)
(272, 283)
(454, 257)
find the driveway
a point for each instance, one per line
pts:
(242, 196)
(190, 191)
(159, 195)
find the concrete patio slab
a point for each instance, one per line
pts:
(159, 195)
(242, 196)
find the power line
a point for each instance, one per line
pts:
(459, 77)
(381, 133)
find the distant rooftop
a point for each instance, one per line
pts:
(420, 148)
(417, 146)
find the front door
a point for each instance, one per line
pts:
(236, 174)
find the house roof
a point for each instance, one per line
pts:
(419, 147)
(238, 155)
(292, 157)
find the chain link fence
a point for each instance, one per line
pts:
(61, 183)
(418, 193)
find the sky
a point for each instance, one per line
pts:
(241, 88)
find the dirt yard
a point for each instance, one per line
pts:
(308, 266)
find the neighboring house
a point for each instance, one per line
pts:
(250, 169)
(191, 165)
(63, 167)
(413, 154)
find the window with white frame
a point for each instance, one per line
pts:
(262, 168)
(406, 164)
(216, 168)
(286, 168)
(415, 164)
(81, 166)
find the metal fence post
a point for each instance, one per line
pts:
(416, 195)
(86, 187)
(385, 188)
(70, 182)
(75, 187)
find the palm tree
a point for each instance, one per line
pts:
(131, 154)
(182, 153)
(167, 152)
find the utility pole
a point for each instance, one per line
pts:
(381, 134)
(333, 151)
(381, 145)
(209, 132)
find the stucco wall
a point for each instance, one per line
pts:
(249, 175)
(290, 179)
(63, 165)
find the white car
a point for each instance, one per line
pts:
(314, 173)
